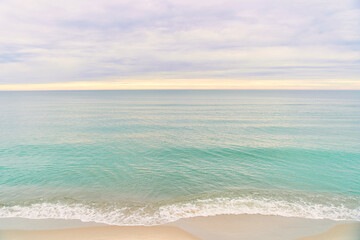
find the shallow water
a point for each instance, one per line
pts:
(150, 157)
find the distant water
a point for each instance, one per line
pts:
(151, 157)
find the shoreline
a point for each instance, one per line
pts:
(222, 227)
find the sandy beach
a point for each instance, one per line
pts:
(340, 232)
(224, 227)
(105, 233)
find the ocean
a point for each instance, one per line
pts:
(153, 157)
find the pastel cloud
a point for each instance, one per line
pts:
(108, 41)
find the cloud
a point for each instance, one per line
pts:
(44, 42)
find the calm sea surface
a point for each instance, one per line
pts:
(150, 157)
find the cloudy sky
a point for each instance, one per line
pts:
(110, 44)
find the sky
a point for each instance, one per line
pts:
(179, 44)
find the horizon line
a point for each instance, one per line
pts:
(188, 84)
(179, 89)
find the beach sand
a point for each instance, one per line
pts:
(222, 227)
(101, 233)
(340, 232)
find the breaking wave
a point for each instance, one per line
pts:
(335, 207)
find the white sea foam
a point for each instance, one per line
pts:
(159, 214)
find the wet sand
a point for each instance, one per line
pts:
(222, 227)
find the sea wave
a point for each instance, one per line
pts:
(115, 213)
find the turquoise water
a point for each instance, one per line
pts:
(150, 157)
